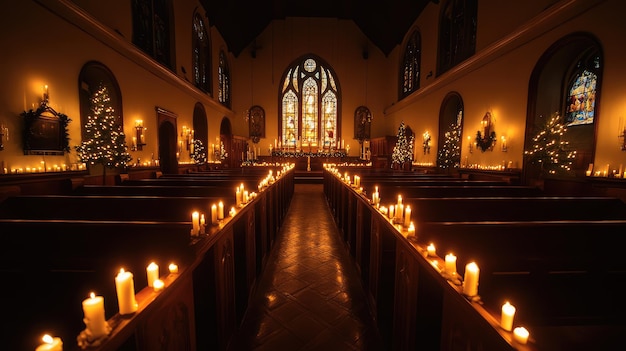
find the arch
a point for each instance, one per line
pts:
(449, 140)
(200, 124)
(549, 92)
(91, 75)
(226, 139)
(168, 160)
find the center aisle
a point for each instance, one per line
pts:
(309, 296)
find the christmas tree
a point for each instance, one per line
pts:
(450, 154)
(199, 153)
(549, 150)
(104, 141)
(403, 150)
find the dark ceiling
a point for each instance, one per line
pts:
(384, 22)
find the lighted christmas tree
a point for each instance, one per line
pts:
(403, 150)
(104, 141)
(450, 154)
(199, 153)
(549, 150)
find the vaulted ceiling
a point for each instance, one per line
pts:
(384, 22)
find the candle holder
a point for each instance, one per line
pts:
(86, 340)
(139, 140)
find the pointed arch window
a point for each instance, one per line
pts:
(223, 75)
(201, 55)
(582, 91)
(457, 33)
(309, 108)
(410, 74)
(151, 29)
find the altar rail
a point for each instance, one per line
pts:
(563, 282)
(55, 263)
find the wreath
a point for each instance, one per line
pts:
(31, 116)
(485, 143)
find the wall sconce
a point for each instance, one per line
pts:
(426, 142)
(4, 134)
(503, 145)
(486, 139)
(187, 136)
(139, 140)
(46, 95)
(621, 136)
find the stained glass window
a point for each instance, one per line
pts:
(151, 28)
(457, 32)
(581, 100)
(411, 65)
(223, 75)
(310, 105)
(201, 55)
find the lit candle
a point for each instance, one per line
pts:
(431, 250)
(411, 230)
(158, 285)
(220, 210)
(399, 199)
(195, 223)
(246, 197)
(232, 212)
(238, 196)
(202, 222)
(508, 313)
(399, 213)
(93, 310)
(173, 268)
(407, 216)
(50, 344)
(125, 288)
(520, 334)
(213, 214)
(391, 211)
(153, 273)
(451, 264)
(470, 280)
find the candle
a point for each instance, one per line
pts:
(399, 213)
(202, 222)
(411, 230)
(407, 216)
(399, 199)
(520, 334)
(50, 344)
(220, 210)
(213, 214)
(158, 285)
(125, 288)
(232, 212)
(93, 310)
(153, 273)
(431, 250)
(391, 211)
(470, 280)
(245, 197)
(451, 264)
(238, 196)
(195, 223)
(173, 268)
(508, 312)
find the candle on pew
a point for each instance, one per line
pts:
(153, 273)
(158, 285)
(520, 334)
(399, 200)
(195, 223)
(220, 210)
(431, 251)
(93, 311)
(508, 313)
(392, 208)
(451, 264)
(202, 223)
(246, 197)
(214, 214)
(407, 215)
(470, 279)
(232, 212)
(411, 230)
(50, 344)
(238, 196)
(399, 213)
(173, 268)
(125, 288)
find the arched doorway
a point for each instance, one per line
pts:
(167, 141)
(226, 138)
(201, 131)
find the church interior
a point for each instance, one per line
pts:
(213, 175)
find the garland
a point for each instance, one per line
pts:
(31, 116)
(309, 153)
(485, 143)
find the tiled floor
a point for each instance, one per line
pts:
(310, 296)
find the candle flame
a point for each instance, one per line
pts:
(92, 295)
(121, 270)
(47, 339)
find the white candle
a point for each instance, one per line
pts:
(153, 273)
(50, 344)
(407, 216)
(399, 199)
(508, 313)
(173, 267)
(232, 212)
(246, 197)
(411, 230)
(520, 334)
(238, 196)
(399, 212)
(202, 222)
(431, 249)
(195, 223)
(220, 211)
(391, 211)
(451, 264)
(158, 285)
(93, 310)
(470, 280)
(213, 214)
(125, 288)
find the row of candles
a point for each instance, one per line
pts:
(400, 215)
(97, 327)
(43, 168)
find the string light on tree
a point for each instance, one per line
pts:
(199, 153)
(548, 149)
(403, 150)
(450, 154)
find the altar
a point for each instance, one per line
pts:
(310, 160)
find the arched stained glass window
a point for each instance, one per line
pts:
(151, 29)
(310, 105)
(223, 74)
(410, 75)
(457, 33)
(201, 55)
(581, 97)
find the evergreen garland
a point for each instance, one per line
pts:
(450, 154)
(403, 150)
(549, 150)
(31, 116)
(105, 141)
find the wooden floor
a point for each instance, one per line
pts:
(310, 296)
